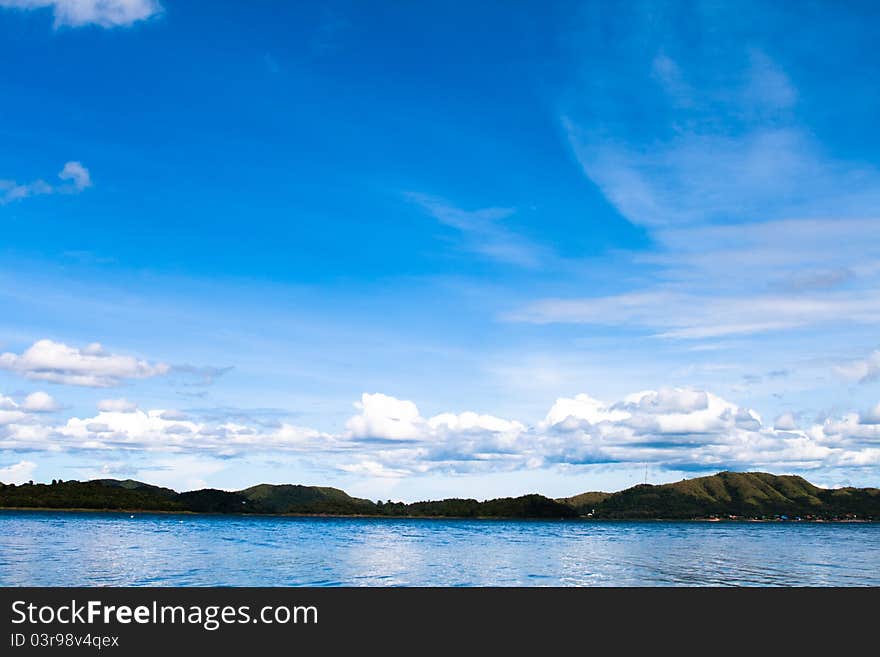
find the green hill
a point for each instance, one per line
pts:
(526, 506)
(289, 498)
(742, 494)
(211, 500)
(98, 495)
(131, 484)
(585, 502)
(129, 495)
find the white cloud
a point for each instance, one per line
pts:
(483, 232)
(40, 402)
(385, 417)
(18, 473)
(676, 428)
(138, 430)
(181, 472)
(372, 469)
(872, 416)
(698, 176)
(863, 370)
(77, 174)
(172, 415)
(573, 411)
(689, 314)
(91, 366)
(473, 422)
(12, 412)
(117, 406)
(754, 226)
(724, 143)
(12, 415)
(74, 176)
(105, 13)
(670, 400)
(785, 422)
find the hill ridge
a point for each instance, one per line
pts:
(726, 494)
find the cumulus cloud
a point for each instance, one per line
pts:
(653, 413)
(690, 434)
(104, 13)
(74, 179)
(117, 406)
(18, 473)
(385, 418)
(571, 411)
(127, 429)
(678, 428)
(90, 366)
(12, 412)
(40, 402)
(669, 400)
(872, 416)
(675, 428)
(785, 422)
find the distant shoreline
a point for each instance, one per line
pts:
(364, 516)
(724, 497)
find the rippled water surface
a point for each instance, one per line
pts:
(70, 549)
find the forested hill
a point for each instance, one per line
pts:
(739, 494)
(111, 494)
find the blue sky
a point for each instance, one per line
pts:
(434, 249)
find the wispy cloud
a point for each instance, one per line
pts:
(691, 315)
(328, 36)
(755, 228)
(483, 231)
(766, 171)
(679, 131)
(74, 179)
(745, 278)
(104, 13)
(204, 375)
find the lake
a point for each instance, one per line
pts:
(104, 549)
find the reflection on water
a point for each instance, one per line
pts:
(70, 549)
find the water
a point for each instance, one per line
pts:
(87, 549)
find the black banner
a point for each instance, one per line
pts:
(221, 621)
